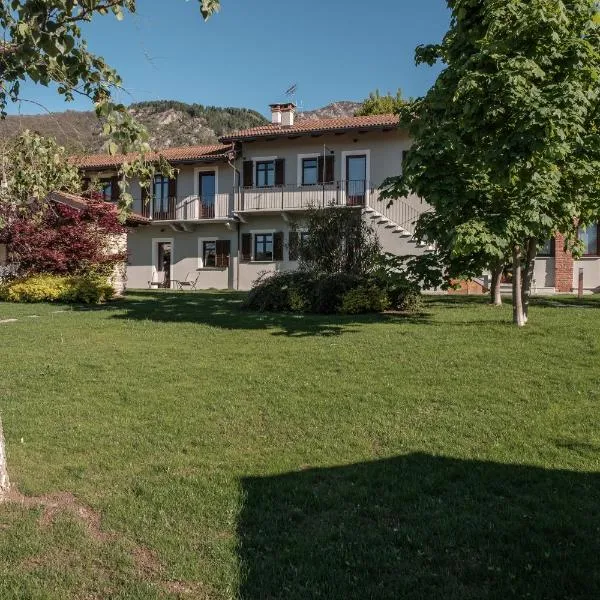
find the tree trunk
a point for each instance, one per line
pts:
(531, 248)
(495, 295)
(4, 483)
(518, 316)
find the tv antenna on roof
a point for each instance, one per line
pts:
(291, 92)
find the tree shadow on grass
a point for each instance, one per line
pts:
(421, 527)
(224, 310)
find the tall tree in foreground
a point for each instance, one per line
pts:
(506, 142)
(41, 41)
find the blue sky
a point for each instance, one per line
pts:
(253, 50)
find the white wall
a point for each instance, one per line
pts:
(591, 273)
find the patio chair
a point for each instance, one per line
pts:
(158, 283)
(188, 283)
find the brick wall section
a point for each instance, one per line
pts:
(563, 266)
(468, 288)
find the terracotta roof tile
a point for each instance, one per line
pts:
(180, 154)
(315, 125)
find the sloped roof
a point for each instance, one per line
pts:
(79, 203)
(308, 126)
(174, 155)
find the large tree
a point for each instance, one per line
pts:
(42, 41)
(506, 143)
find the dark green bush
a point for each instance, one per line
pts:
(301, 291)
(331, 289)
(364, 299)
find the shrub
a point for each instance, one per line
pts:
(88, 290)
(330, 291)
(279, 292)
(364, 299)
(301, 291)
(56, 288)
(39, 288)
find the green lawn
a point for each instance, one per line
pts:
(172, 445)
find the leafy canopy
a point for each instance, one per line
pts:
(43, 43)
(376, 104)
(506, 145)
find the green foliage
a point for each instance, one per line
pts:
(56, 288)
(506, 143)
(366, 298)
(301, 291)
(47, 47)
(339, 241)
(376, 104)
(39, 288)
(34, 166)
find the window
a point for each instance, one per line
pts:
(209, 254)
(263, 246)
(160, 188)
(589, 236)
(310, 171)
(265, 173)
(547, 248)
(106, 189)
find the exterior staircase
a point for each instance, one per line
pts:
(400, 218)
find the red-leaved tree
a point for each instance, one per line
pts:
(65, 241)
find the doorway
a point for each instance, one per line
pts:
(207, 189)
(162, 261)
(356, 179)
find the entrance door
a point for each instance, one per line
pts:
(163, 266)
(356, 179)
(207, 188)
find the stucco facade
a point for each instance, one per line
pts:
(226, 200)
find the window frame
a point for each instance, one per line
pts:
(597, 251)
(260, 163)
(104, 184)
(255, 236)
(203, 243)
(304, 160)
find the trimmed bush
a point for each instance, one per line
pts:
(39, 288)
(301, 291)
(364, 299)
(56, 288)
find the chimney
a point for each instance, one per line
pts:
(283, 114)
(276, 114)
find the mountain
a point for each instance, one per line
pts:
(169, 122)
(343, 108)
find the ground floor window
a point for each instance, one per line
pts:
(589, 236)
(209, 254)
(263, 246)
(546, 248)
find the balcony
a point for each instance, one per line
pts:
(294, 197)
(189, 208)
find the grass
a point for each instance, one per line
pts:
(214, 453)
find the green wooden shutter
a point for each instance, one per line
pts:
(223, 252)
(145, 203)
(280, 171)
(293, 245)
(248, 173)
(329, 166)
(246, 246)
(278, 245)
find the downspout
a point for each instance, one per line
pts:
(236, 188)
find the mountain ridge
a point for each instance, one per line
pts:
(170, 123)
